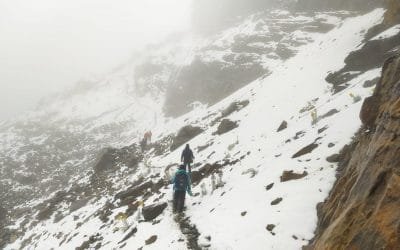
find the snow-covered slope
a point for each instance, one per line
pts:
(245, 199)
(63, 137)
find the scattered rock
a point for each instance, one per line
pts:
(129, 235)
(298, 135)
(208, 170)
(201, 148)
(184, 135)
(290, 175)
(234, 107)
(276, 201)
(322, 129)
(51, 206)
(269, 186)
(306, 150)
(371, 83)
(331, 145)
(92, 239)
(151, 240)
(328, 114)
(190, 231)
(243, 213)
(133, 192)
(283, 126)
(105, 212)
(225, 126)
(333, 158)
(252, 172)
(270, 227)
(153, 211)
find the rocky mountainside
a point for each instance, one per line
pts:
(286, 89)
(362, 211)
(364, 5)
(64, 136)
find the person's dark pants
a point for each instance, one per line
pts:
(188, 167)
(179, 200)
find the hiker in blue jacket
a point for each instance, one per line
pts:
(182, 184)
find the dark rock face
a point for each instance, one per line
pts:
(184, 135)
(225, 126)
(153, 211)
(392, 16)
(362, 211)
(283, 126)
(290, 175)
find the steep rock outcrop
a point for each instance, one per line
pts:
(362, 211)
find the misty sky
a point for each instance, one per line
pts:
(46, 45)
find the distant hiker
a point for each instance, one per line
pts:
(187, 158)
(146, 140)
(182, 183)
(147, 136)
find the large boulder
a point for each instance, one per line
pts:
(184, 135)
(225, 126)
(153, 211)
(290, 175)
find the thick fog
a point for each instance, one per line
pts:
(46, 45)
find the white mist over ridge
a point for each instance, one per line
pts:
(48, 45)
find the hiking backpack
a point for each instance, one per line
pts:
(181, 181)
